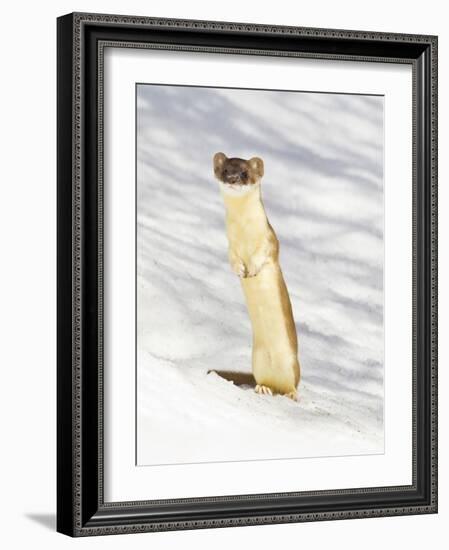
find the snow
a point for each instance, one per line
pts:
(323, 192)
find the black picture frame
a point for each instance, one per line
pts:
(81, 509)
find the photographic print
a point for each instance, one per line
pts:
(260, 263)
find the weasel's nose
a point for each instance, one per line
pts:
(232, 178)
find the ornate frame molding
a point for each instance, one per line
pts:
(81, 509)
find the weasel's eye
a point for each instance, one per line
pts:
(225, 171)
(244, 175)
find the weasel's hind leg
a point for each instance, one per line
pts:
(292, 395)
(261, 369)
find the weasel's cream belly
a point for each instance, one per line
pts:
(275, 348)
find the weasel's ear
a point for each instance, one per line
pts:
(219, 160)
(256, 165)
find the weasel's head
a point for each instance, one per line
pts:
(237, 176)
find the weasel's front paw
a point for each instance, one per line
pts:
(239, 268)
(252, 272)
(254, 269)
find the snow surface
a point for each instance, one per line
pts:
(323, 192)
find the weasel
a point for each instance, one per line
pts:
(254, 257)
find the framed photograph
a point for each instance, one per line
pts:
(247, 274)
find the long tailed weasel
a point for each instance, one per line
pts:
(254, 257)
